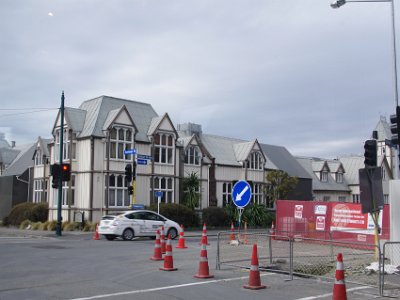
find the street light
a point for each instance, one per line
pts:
(339, 3)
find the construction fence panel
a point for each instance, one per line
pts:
(234, 249)
(319, 258)
(298, 255)
(391, 269)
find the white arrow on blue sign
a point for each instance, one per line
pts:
(143, 156)
(130, 151)
(140, 161)
(241, 193)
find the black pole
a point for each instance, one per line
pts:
(59, 217)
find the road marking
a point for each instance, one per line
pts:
(165, 288)
(330, 294)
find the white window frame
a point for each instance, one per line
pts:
(324, 176)
(39, 158)
(118, 195)
(255, 161)
(121, 139)
(226, 193)
(339, 177)
(164, 148)
(68, 138)
(39, 189)
(166, 186)
(257, 193)
(192, 156)
(65, 189)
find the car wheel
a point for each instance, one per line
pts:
(128, 234)
(173, 233)
(110, 237)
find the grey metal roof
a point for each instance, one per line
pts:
(352, 164)
(3, 141)
(242, 150)
(383, 129)
(281, 158)
(75, 118)
(22, 162)
(221, 148)
(98, 109)
(317, 185)
(7, 155)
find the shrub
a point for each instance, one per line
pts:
(216, 217)
(256, 215)
(24, 224)
(178, 213)
(68, 226)
(36, 225)
(45, 226)
(35, 212)
(52, 226)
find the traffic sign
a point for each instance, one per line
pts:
(143, 156)
(129, 151)
(140, 161)
(241, 193)
(158, 193)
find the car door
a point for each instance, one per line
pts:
(136, 221)
(153, 222)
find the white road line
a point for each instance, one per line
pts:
(330, 294)
(164, 288)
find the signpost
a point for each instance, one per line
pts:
(159, 195)
(241, 196)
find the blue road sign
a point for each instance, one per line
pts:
(130, 151)
(140, 161)
(142, 156)
(158, 193)
(241, 193)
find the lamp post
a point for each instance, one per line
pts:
(339, 3)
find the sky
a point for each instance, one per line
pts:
(293, 73)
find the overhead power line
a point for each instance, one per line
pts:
(28, 112)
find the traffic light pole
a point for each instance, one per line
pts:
(59, 203)
(134, 179)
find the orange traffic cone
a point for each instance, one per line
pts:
(181, 241)
(204, 234)
(168, 260)
(232, 235)
(204, 270)
(254, 277)
(339, 288)
(162, 240)
(272, 231)
(245, 234)
(96, 234)
(157, 248)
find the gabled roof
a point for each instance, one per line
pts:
(97, 112)
(113, 115)
(156, 123)
(383, 129)
(309, 164)
(7, 155)
(43, 145)
(352, 164)
(335, 166)
(281, 158)
(22, 162)
(242, 150)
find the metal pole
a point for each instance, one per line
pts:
(59, 203)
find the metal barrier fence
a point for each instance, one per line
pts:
(391, 269)
(300, 256)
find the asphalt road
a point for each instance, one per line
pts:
(43, 266)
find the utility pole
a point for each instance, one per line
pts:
(59, 203)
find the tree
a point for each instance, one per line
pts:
(280, 184)
(191, 196)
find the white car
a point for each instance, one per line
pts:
(136, 223)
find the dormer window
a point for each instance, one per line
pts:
(192, 156)
(324, 176)
(339, 177)
(255, 161)
(69, 144)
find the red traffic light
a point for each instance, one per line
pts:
(66, 172)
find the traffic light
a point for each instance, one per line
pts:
(130, 190)
(55, 173)
(65, 172)
(370, 153)
(128, 173)
(395, 126)
(134, 171)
